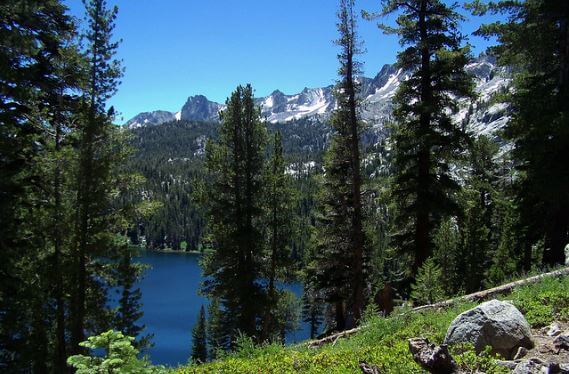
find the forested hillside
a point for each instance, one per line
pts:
(171, 158)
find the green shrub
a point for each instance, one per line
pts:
(470, 362)
(544, 302)
(120, 356)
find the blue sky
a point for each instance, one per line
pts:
(176, 48)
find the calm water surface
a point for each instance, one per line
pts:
(171, 305)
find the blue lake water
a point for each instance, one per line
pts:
(171, 305)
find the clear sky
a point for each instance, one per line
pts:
(173, 49)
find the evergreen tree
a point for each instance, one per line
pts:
(64, 105)
(312, 307)
(426, 140)
(286, 314)
(279, 222)
(59, 158)
(129, 309)
(94, 171)
(312, 311)
(480, 197)
(447, 244)
(199, 338)
(341, 255)
(534, 40)
(505, 259)
(235, 166)
(427, 287)
(215, 329)
(35, 92)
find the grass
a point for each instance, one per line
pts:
(384, 340)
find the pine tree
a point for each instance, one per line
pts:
(215, 329)
(279, 221)
(235, 203)
(426, 139)
(341, 254)
(480, 197)
(312, 311)
(427, 287)
(535, 40)
(54, 128)
(36, 38)
(447, 255)
(504, 260)
(96, 157)
(199, 338)
(64, 105)
(286, 314)
(129, 309)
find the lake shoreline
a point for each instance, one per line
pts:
(175, 251)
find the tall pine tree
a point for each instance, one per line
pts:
(426, 139)
(235, 200)
(94, 178)
(341, 253)
(279, 225)
(35, 91)
(535, 40)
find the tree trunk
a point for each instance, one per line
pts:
(61, 354)
(340, 316)
(556, 237)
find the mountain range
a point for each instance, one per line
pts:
(482, 115)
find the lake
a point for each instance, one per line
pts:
(171, 305)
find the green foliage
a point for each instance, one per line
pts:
(340, 256)
(235, 167)
(545, 302)
(129, 309)
(215, 330)
(485, 362)
(245, 346)
(170, 157)
(382, 342)
(533, 40)
(120, 356)
(281, 314)
(61, 184)
(427, 288)
(446, 242)
(479, 223)
(504, 261)
(97, 179)
(199, 338)
(287, 313)
(425, 139)
(312, 310)
(39, 61)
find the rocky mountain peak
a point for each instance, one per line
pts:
(377, 96)
(199, 108)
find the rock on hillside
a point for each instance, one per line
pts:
(495, 323)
